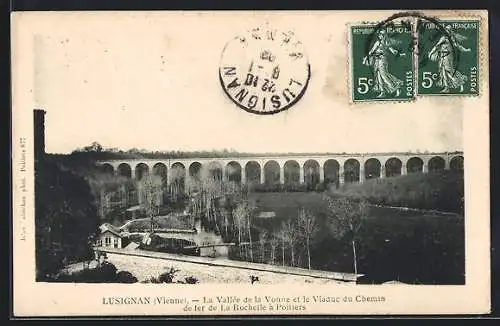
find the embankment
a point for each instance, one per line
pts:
(145, 264)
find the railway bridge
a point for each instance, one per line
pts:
(289, 168)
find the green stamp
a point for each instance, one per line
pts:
(382, 63)
(448, 57)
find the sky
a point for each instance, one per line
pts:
(150, 81)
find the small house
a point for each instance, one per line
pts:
(109, 236)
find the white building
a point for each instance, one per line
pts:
(109, 236)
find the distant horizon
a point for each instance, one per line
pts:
(229, 151)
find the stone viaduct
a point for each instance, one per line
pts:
(284, 169)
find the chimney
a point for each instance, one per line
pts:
(39, 134)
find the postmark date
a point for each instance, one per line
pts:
(266, 73)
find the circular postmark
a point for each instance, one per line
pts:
(264, 70)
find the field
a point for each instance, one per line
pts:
(409, 246)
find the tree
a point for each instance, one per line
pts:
(94, 147)
(230, 198)
(262, 241)
(66, 219)
(243, 219)
(150, 196)
(290, 235)
(239, 222)
(108, 190)
(273, 243)
(282, 236)
(308, 228)
(346, 218)
(177, 184)
(215, 200)
(210, 196)
(249, 216)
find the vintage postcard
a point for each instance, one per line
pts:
(250, 163)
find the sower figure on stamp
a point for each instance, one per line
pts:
(442, 52)
(384, 82)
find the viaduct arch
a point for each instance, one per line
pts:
(288, 169)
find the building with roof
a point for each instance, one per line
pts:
(109, 236)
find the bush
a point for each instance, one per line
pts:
(137, 238)
(152, 280)
(290, 187)
(125, 277)
(52, 262)
(295, 187)
(320, 187)
(107, 271)
(191, 280)
(168, 277)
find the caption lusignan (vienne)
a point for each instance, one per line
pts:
(243, 304)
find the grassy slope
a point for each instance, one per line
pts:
(443, 190)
